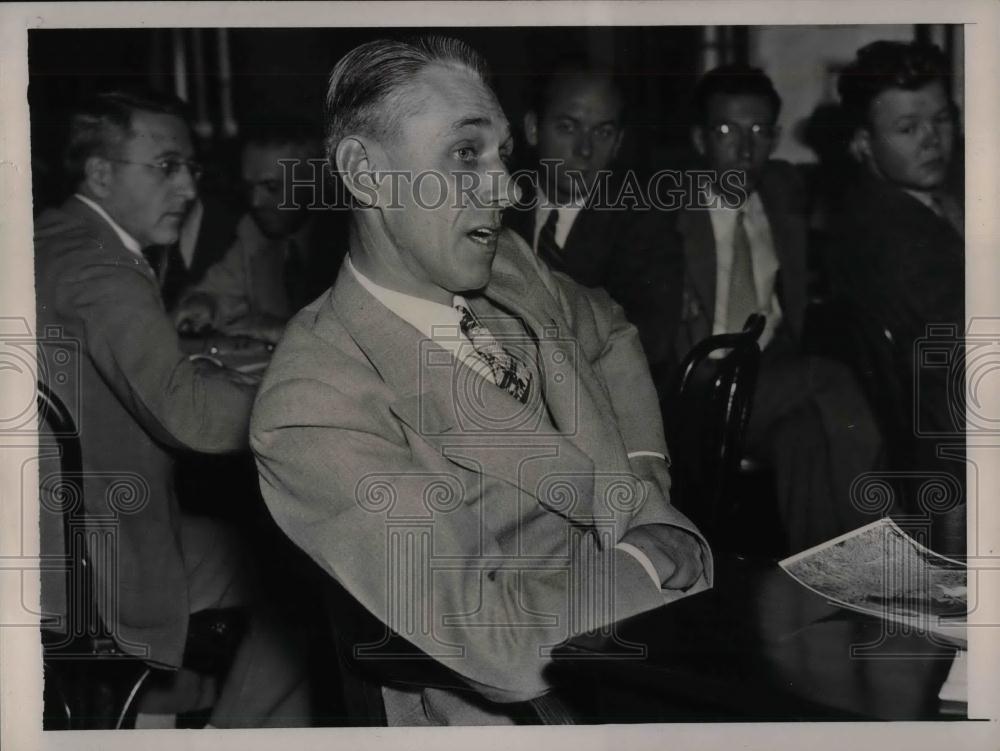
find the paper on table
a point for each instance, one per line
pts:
(878, 569)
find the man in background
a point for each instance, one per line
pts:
(284, 251)
(141, 401)
(576, 126)
(745, 253)
(898, 260)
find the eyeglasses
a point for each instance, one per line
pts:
(728, 131)
(170, 167)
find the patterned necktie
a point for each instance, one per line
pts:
(548, 249)
(509, 373)
(742, 288)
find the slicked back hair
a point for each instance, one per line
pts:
(572, 68)
(103, 122)
(886, 65)
(366, 93)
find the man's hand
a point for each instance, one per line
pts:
(674, 553)
(265, 328)
(195, 315)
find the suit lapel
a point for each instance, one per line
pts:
(468, 421)
(698, 311)
(107, 238)
(790, 251)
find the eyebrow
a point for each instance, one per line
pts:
(471, 122)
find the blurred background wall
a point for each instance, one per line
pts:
(233, 77)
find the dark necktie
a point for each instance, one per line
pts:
(509, 373)
(548, 249)
(168, 267)
(155, 256)
(742, 288)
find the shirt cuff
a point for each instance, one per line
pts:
(643, 560)
(657, 454)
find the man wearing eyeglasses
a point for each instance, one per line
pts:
(140, 400)
(745, 247)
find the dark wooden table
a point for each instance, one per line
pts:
(759, 646)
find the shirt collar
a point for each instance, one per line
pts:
(127, 240)
(424, 315)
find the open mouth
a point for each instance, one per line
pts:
(484, 235)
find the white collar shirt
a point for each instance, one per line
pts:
(437, 322)
(763, 258)
(127, 240)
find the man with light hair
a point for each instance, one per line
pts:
(465, 441)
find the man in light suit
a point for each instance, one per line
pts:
(576, 125)
(745, 249)
(141, 400)
(465, 441)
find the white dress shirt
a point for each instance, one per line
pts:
(763, 258)
(437, 322)
(127, 240)
(440, 324)
(567, 215)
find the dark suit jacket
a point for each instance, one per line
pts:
(899, 266)
(364, 442)
(136, 396)
(781, 193)
(636, 257)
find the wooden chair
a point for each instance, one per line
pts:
(90, 682)
(708, 412)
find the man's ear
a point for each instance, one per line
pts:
(97, 176)
(356, 166)
(618, 142)
(860, 146)
(698, 139)
(531, 128)
(775, 140)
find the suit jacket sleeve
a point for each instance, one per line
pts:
(616, 354)
(352, 488)
(134, 346)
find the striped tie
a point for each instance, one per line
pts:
(548, 249)
(509, 373)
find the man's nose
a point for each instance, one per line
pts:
(932, 136)
(185, 184)
(499, 188)
(583, 146)
(745, 145)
